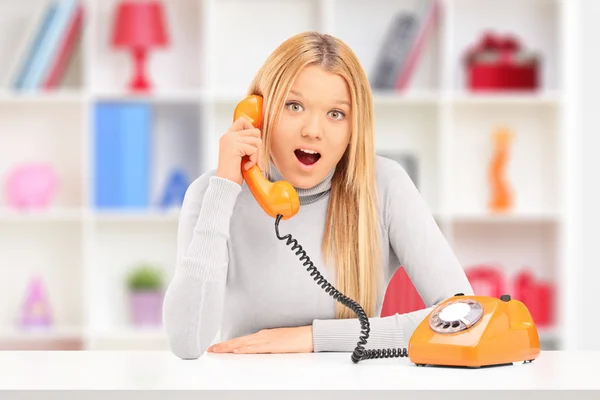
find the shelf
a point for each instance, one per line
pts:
(507, 98)
(50, 97)
(155, 96)
(411, 97)
(130, 333)
(120, 216)
(510, 217)
(52, 215)
(216, 49)
(43, 334)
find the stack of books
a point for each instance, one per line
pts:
(47, 47)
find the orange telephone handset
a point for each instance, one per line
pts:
(275, 198)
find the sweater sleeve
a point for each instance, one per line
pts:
(193, 302)
(427, 258)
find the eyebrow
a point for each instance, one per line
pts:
(338, 101)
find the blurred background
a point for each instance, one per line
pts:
(109, 109)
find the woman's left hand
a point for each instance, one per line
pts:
(277, 340)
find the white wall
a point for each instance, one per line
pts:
(586, 230)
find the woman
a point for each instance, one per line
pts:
(360, 218)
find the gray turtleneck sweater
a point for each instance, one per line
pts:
(234, 276)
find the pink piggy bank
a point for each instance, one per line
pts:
(31, 186)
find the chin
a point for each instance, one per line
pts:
(304, 182)
(307, 180)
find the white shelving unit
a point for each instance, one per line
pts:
(217, 46)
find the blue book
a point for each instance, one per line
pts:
(135, 155)
(49, 44)
(34, 46)
(122, 155)
(107, 186)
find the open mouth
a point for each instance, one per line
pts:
(307, 157)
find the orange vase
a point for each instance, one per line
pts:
(501, 196)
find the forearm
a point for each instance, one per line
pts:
(193, 302)
(342, 335)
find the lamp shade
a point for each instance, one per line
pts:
(139, 24)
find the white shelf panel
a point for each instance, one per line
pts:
(413, 97)
(43, 334)
(50, 97)
(120, 216)
(157, 96)
(129, 333)
(507, 98)
(51, 215)
(510, 217)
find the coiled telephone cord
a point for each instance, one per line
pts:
(359, 353)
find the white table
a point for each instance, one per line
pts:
(226, 376)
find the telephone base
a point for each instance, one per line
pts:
(475, 331)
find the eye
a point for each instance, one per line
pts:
(337, 114)
(293, 106)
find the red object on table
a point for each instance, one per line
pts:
(140, 26)
(401, 296)
(538, 297)
(498, 63)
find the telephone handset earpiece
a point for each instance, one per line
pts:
(275, 198)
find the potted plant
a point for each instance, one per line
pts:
(145, 284)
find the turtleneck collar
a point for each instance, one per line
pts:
(309, 195)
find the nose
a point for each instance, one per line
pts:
(312, 127)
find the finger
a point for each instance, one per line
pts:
(241, 123)
(250, 132)
(228, 345)
(248, 150)
(260, 157)
(244, 341)
(254, 141)
(255, 348)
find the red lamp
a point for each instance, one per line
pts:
(140, 26)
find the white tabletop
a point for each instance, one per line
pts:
(139, 370)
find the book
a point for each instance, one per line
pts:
(122, 137)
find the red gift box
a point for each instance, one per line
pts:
(500, 63)
(537, 295)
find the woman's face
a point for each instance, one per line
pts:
(314, 129)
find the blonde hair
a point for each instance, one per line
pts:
(351, 237)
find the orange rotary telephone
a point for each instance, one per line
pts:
(468, 331)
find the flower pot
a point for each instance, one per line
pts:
(146, 307)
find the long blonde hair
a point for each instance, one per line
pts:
(351, 237)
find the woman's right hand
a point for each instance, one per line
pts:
(241, 139)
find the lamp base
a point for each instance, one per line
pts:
(139, 82)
